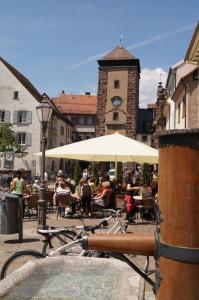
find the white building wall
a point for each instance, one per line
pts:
(26, 102)
(170, 122)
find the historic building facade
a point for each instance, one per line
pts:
(18, 102)
(118, 93)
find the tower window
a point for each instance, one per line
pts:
(115, 116)
(116, 84)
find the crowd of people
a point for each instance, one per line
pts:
(87, 195)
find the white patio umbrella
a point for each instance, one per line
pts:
(114, 147)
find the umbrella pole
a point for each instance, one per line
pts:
(116, 169)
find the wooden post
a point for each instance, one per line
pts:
(179, 206)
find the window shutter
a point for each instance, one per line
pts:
(7, 116)
(15, 117)
(29, 117)
(28, 139)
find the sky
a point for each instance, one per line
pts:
(56, 43)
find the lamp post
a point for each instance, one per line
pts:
(44, 112)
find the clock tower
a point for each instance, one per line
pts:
(118, 93)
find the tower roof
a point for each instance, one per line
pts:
(118, 53)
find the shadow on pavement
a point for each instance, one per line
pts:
(31, 240)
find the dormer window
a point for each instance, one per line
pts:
(16, 95)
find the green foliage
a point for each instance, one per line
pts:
(95, 172)
(77, 172)
(7, 138)
(145, 173)
(119, 172)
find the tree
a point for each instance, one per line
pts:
(145, 173)
(7, 137)
(95, 172)
(120, 172)
(77, 172)
(8, 140)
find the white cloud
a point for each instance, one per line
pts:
(149, 80)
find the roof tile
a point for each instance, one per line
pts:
(76, 104)
(118, 53)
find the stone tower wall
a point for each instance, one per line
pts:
(132, 102)
(101, 102)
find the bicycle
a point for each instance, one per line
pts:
(9, 266)
(63, 236)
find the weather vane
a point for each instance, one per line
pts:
(121, 38)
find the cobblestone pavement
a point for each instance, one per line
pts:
(32, 240)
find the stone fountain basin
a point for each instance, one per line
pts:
(72, 278)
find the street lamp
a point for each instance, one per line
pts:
(44, 112)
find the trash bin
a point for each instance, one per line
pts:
(9, 216)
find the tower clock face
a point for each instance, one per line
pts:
(116, 101)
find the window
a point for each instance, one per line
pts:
(24, 138)
(16, 95)
(74, 120)
(62, 130)
(184, 107)
(179, 113)
(115, 116)
(50, 144)
(82, 120)
(144, 138)
(2, 116)
(90, 120)
(22, 116)
(21, 138)
(147, 126)
(116, 84)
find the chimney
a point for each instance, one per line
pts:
(87, 93)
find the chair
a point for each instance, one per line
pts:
(62, 201)
(49, 200)
(147, 208)
(33, 203)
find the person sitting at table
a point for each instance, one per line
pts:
(36, 186)
(146, 190)
(63, 189)
(100, 198)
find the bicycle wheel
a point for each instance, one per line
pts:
(57, 240)
(17, 260)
